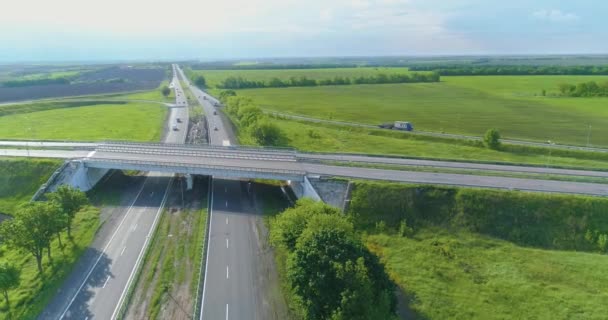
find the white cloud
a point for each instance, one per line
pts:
(555, 15)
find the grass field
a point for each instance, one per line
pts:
(214, 77)
(20, 179)
(485, 278)
(314, 137)
(466, 105)
(138, 121)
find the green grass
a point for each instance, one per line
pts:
(20, 179)
(323, 138)
(459, 275)
(35, 291)
(466, 105)
(138, 121)
(214, 77)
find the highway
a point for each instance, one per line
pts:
(231, 282)
(98, 285)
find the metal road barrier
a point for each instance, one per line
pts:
(191, 168)
(202, 146)
(228, 154)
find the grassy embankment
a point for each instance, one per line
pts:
(479, 254)
(20, 179)
(83, 121)
(167, 285)
(214, 77)
(464, 105)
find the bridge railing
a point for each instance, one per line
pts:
(173, 165)
(203, 146)
(211, 153)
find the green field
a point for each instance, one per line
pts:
(138, 121)
(325, 138)
(485, 278)
(466, 105)
(214, 77)
(20, 179)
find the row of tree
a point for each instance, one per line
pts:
(252, 119)
(331, 272)
(33, 228)
(584, 89)
(381, 78)
(467, 70)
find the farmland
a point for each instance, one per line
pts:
(466, 105)
(214, 77)
(98, 81)
(137, 121)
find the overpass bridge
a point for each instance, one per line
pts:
(287, 164)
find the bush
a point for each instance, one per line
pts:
(492, 139)
(267, 133)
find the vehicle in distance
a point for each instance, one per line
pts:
(215, 129)
(216, 104)
(175, 128)
(204, 97)
(398, 125)
(215, 113)
(179, 120)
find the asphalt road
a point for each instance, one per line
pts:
(98, 287)
(230, 290)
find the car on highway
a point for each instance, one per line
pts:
(179, 120)
(175, 128)
(215, 129)
(215, 113)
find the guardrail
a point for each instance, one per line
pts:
(191, 167)
(227, 154)
(199, 146)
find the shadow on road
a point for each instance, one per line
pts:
(79, 309)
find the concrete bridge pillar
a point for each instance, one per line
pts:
(189, 182)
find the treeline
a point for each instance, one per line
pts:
(330, 272)
(560, 222)
(252, 120)
(584, 89)
(270, 66)
(461, 70)
(241, 83)
(35, 82)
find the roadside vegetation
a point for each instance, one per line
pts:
(40, 244)
(167, 286)
(463, 105)
(101, 120)
(481, 254)
(330, 273)
(20, 179)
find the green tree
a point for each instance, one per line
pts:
(10, 278)
(267, 133)
(70, 200)
(602, 242)
(32, 229)
(249, 115)
(333, 273)
(165, 91)
(200, 81)
(492, 139)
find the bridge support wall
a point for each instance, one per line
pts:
(305, 189)
(83, 177)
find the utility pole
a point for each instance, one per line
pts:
(588, 134)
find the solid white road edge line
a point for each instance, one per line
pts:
(208, 249)
(143, 249)
(103, 251)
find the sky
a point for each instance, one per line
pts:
(102, 30)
